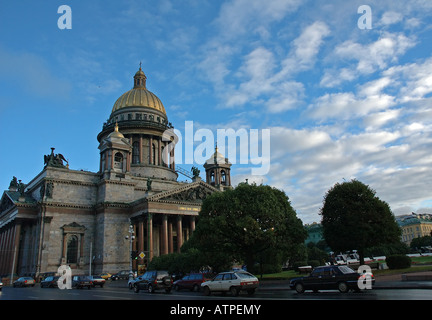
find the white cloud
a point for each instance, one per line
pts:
(376, 55)
(239, 17)
(390, 17)
(306, 47)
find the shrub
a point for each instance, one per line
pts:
(314, 263)
(398, 261)
(298, 264)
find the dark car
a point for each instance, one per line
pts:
(24, 282)
(192, 281)
(50, 282)
(80, 282)
(123, 274)
(332, 277)
(154, 280)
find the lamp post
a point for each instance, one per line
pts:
(131, 237)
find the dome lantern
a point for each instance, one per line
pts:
(139, 96)
(140, 79)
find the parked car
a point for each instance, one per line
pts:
(24, 282)
(192, 282)
(50, 282)
(132, 281)
(98, 281)
(333, 277)
(123, 274)
(106, 275)
(154, 280)
(80, 282)
(232, 282)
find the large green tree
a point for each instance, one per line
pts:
(248, 224)
(354, 218)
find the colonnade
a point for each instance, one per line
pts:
(159, 234)
(9, 248)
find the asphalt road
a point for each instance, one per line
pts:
(118, 291)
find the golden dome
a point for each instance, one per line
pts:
(116, 133)
(139, 96)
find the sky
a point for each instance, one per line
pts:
(344, 93)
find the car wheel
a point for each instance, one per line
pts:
(206, 291)
(136, 289)
(343, 287)
(299, 287)
(234, 291)
(195, 288)
(150, 289)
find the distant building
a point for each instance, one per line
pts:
(414, 226)
(315, 233)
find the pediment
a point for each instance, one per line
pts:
(194, 192)
(6, 202)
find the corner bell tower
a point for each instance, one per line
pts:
(218, 169)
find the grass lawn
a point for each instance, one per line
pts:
(284, 275)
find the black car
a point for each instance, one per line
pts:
(123, 274)
(332, 277)
(80, 282)
(154, 280)
(50, 282)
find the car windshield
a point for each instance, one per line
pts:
(345, 269)
(162, 274)
(245, 275)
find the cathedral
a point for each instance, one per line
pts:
(96, 221)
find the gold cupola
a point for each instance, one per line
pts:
(139, 96)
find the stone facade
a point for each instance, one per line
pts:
(81, 219)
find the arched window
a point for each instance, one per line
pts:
(153, 154)
(212, 177)
(118, 160)
(72, 249)
(135, 152)
(223, 177)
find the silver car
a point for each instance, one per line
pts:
(233, 282)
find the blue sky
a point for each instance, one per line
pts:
(340, 102)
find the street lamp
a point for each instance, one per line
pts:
(131, 238)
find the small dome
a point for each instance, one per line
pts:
(217, 158)
(116, 133)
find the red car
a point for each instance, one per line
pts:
(192, 281)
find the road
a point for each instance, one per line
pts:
(119, 291)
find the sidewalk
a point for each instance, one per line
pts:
(415, 280)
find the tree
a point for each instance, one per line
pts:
(245, 223)
(354, 218)
(417, 243)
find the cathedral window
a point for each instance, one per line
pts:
(153, 154)
(72, 249)
(118, 160)
(135, 152)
